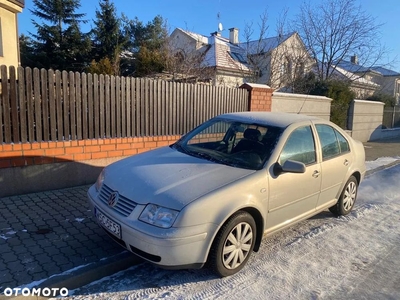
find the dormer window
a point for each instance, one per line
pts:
(238, 57)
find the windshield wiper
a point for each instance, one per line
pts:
(180, 148)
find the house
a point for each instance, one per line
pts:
(9, 42)
(278, 60)
(386, 81)
(273, 61)
(217, 58)
(363, 87)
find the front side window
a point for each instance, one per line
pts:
(230, 142)
(299, 147)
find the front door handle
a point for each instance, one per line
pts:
(315, 174)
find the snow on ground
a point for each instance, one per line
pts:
(381, 161)
(351, 257)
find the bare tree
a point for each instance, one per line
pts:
(277, 61)
(334, 30)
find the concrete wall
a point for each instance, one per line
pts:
(365, 120)
(318, 106)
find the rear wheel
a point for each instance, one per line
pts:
(347, 199)
(233, 244)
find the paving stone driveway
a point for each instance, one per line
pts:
(43, 234)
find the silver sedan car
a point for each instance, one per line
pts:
(215, 193)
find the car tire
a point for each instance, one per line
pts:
(233, 244)
(347, 199)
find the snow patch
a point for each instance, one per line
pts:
(380, 162)
(36, 283)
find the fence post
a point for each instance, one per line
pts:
(393, 116)
(260, 96)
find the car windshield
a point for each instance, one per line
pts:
(230, 142)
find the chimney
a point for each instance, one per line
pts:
(354, 59)
(234, 35)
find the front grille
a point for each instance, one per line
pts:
(124, 205)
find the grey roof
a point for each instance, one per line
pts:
(353, 77)
(385, 72)
(264, 45)
(269, 118)
(355, 68)
(219, 54)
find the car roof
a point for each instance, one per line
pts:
(276, 119)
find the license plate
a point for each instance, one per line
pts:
(108, 224)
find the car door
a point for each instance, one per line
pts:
(292, 196)
(336, 158)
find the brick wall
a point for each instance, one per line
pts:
(27, 154)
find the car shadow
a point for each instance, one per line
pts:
(326, 214)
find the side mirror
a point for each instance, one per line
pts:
(290, 166)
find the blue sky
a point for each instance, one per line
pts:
(201, 16)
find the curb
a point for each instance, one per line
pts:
(85, 275)
(392, 164)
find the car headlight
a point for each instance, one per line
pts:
(158, 216)
(99, 181)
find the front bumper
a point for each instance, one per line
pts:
(171, 248)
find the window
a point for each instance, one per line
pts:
(230, 142)
(238, 57)
(344, 145)
(300, 147)
(332, 145)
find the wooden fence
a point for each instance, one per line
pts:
(46, 105)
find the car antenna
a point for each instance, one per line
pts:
(302, 105)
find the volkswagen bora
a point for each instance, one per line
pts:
(212, 196)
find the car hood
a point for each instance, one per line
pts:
(168, 177)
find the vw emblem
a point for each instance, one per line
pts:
(112, 200)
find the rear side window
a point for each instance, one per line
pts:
(343, 143)
(299, 147)
(333, 142)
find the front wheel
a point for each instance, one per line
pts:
(233, 244)
(347, 199)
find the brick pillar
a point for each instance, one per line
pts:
(260, 96)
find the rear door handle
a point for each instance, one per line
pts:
(346, 162)
(315, 174)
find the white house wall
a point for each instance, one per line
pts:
(9, 55)
(292, 50)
